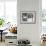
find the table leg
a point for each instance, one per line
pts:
(1, 36)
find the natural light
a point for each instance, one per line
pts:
(43, 4)
(8, 11)
(44, 16)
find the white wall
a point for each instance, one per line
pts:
(30, 31)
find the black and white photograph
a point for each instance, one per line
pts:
(28, 17)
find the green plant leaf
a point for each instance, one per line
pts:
(1, 22)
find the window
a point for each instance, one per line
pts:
(8, 10)
(1, 9)
(44, 16)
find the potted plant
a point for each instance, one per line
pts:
(1, 22)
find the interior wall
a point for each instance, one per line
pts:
(29, 31)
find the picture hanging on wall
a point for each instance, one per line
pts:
(27, 17)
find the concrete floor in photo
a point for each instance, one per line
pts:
(2, 43)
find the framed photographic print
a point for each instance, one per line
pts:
(27, 17)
